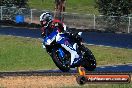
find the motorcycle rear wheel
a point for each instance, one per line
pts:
(88, 60)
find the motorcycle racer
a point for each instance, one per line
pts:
(48, 25)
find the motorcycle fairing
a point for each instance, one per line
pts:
(51, 37)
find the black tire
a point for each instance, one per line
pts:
(89, 60)
(58, 63)
(81, 80)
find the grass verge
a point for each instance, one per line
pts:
(103, 86)
(19, 53)
(77, 6)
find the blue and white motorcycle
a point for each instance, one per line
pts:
(62, 57)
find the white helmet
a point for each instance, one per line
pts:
(45, 19)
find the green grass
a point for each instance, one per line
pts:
(103, 86)
(111, 56)
(19, 53)
(75, 6)
(23, 54)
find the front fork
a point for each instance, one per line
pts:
(61, 53)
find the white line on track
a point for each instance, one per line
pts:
(101, 67)
(114, 66)
(130, 65)
(100, 45)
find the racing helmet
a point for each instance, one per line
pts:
(45, 19)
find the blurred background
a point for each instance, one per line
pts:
(102, 15)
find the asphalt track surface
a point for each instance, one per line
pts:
(106, 39)
(119, 69)
(94, 38)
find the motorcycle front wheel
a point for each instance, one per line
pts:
(62, 63)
